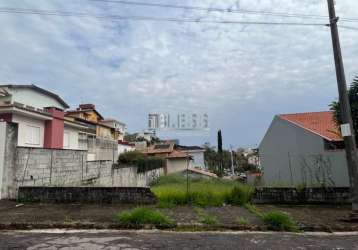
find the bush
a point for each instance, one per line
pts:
(149, 163)
(279, 221)
(142, 216)
(144, 163)
(172, 189)
(130, 158)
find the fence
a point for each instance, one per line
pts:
(328, 169)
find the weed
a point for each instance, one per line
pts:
(253, 209)
(242, 221)
(68, 220)
(279, 221)
(142, 216)
(204, 217)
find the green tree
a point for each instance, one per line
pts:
(220, 152)
(353, 100)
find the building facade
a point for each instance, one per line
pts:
(303, 149)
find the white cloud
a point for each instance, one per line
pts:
(131, 68)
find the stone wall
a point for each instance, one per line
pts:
(333, 195)
(114, 195)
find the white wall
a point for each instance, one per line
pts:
(176, 165)
(25, 125)
(2, 152)
(34, 98)
(198, 158)
(124, 148)
(70, 138)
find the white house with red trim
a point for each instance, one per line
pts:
(39, 114)
(303, 149)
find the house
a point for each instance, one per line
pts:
(118, 128)
(178, 157)
(39, 115)
(37, 112)
(196, 152)
(175, 160)
(303, 149)
(87, 114)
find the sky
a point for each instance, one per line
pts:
(241, 75)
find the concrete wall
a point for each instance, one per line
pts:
(98, 195)
(23, 129)
(102, 149)
(333, 195)
(2, 152)
(25, 166)
(176, 165)
(198, 158)
(291, 156)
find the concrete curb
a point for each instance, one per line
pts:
(179, 227)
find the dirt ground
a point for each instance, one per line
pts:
(310, 218)
(317, 216)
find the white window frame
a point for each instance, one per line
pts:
(33, 135)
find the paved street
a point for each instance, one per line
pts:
(61, 239)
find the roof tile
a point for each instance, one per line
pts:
(320, 123)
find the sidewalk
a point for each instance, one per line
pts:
(14, 215)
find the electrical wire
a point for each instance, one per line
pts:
(227, 10)
(144, 18)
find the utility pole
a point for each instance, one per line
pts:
(346, 116)
(232, 162)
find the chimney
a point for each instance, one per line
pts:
(86, 106)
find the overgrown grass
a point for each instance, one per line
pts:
(142, 216)
(172, 189)
(275, 220)
(279, 221)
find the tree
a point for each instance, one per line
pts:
(353, 100)
(220, 152)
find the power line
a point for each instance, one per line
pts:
(227, 10)
(144, 18)
(348, 27)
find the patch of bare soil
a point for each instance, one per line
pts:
(13, 212)
(230, 215)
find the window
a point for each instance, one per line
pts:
(32, 135)
(66, 139)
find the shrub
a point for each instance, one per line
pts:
(149, 163)
(142, 216)
(130, 158)
(144, 163)
(279, 221)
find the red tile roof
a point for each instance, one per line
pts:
(319, 123)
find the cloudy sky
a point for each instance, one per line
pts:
(241, 75)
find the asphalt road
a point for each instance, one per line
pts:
(130, 240)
